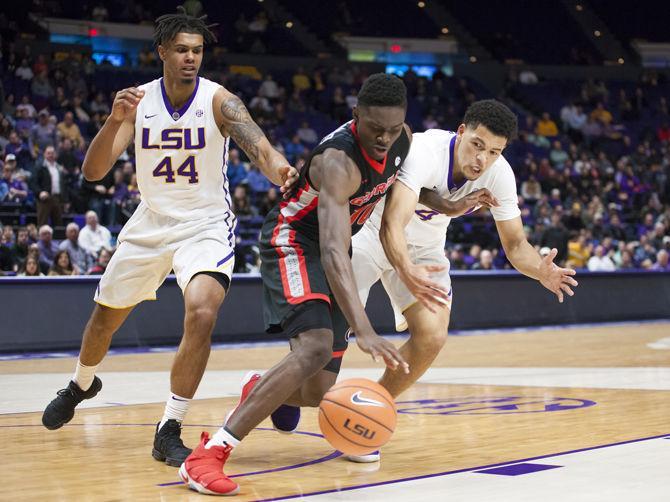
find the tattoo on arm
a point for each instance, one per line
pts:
(241, 127)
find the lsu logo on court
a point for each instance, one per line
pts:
(491, 405)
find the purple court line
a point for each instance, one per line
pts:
(468, 469)
(333, 455)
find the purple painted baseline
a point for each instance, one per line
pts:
(446, 473)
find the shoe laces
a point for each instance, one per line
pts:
(67, 392)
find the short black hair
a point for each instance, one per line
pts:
(382, 89)
(493, 115)
(168, 25)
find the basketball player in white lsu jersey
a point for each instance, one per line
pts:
(181, 125)
(452, 174)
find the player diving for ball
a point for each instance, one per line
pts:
(445, 175)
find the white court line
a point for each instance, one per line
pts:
(32, 392)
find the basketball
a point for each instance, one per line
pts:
(357, 416)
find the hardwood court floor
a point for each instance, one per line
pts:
(494, 399)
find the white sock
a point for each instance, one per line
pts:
(222, 438)
(83, 375)
(175, 409)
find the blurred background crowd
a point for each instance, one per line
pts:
(591, 161)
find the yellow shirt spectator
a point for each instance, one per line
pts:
(68, 129)
(546, 126)
(602, 115)
(301, 80)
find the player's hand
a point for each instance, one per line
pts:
(125, 103)
(432, 295)
(556, 279)
(379, 348)
(479, 198)
(289, 176)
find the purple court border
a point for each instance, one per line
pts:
(468, 469)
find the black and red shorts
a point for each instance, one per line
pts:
(296, 295)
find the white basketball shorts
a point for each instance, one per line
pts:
(370, 264)
(151, 245)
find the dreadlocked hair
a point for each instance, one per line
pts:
(168, 25)
(382, 89)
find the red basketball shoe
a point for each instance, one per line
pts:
(202, 470)
(248, 383)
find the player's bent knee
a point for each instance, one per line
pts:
(203, 316)
(315, 350)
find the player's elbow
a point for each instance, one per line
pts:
(89, 176)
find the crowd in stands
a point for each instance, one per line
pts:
(592, 182)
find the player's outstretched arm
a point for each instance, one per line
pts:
(482, 197)
(235, 121)
(338, 178)
(398, 210)
(115, 135)
(526, 259)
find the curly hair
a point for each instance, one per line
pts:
(493, 115)
(168, 25)
(382, 89)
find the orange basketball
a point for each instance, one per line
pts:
(357, 416)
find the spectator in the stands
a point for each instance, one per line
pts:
(41, 89)
(260, 106)
(99, 105)
(94, 237)
(338, 106)
(662, 264)
(62, 265)
(79, 256)
(270, 199)
(531, 190)
(80, 111)
(473, 256)
(294, 149)
(101, 263)
(17, 190)
(24, 123)
(600, 262)
(307, 134)
(242, 202)
(19, 250)
(47, 246)
(50, 189)
(68, 129)
(257, 182)
(119, 196)
(300, 80)
(236, 172)
(556, 236)
(21, 151)
(31, 268)
(269, 89)
(24, 72)
(546, 126)
(602, 115)
(485, 261)
(43, 134)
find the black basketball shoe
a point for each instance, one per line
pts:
(61, 410)
(168, 445)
